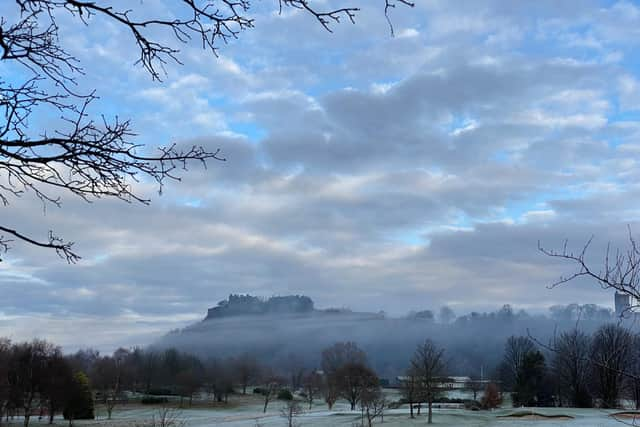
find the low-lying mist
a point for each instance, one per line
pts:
(474, 343)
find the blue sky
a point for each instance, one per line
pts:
(364, 170)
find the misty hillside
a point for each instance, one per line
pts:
(292, 334)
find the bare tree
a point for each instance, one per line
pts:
(95, 158)
(633, 370)
(342, 364)
(428, 362)
(340, 354)
(5, 385)
(329, 391)
(571, 367)
(353, 380)
(27, 367)
(165, 417)
(515, 350)
(410, 387)
(294, 365)
(149, 366)
(55, 382)
(271, 385)
(610, 354)
(188, 381)
(219, 376)
(247, 369)
(372, 404)
(290, 411)
(107, 376)
(312, 384)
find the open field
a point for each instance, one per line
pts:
(247, 411)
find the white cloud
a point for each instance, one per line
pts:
(459, 144)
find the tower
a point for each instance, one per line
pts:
(622, 303)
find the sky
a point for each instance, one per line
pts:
(364, 169)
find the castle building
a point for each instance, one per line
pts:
(622, 304)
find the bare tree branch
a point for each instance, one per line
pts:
(620, 269)
(93, 158)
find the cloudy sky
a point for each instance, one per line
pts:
(364, 170)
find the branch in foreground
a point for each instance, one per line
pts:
(620, 269)
(62, 248)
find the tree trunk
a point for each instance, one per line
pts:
(429, 417)
(27, 413)
(411, 408)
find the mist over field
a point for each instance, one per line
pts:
(474, 342)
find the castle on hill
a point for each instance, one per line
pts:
(237, 305)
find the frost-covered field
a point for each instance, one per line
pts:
(247, 411)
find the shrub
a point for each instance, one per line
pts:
(491, 398)
(258, 390)
(285, 394)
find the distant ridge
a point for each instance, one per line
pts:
(238, 305)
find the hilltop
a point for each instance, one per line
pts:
(239, 305)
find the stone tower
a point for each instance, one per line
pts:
(622, 303)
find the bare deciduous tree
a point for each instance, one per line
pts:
(515, 350)
(410, 387)
(329, 391)
(247, 369)
(341, 353)
(165, 417)
(342, 363)
(107, 376)
(5, 390)
(372, 404)
(633, 370)
(313, 385)
(290, 412)
(571, 367)
(56, 378)
(220, 379)
(95, 158)
(428, 362)
(353, 380)
(610, 354)
(272, 383)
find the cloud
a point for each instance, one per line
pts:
(364, 170)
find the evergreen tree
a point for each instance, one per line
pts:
(79, 405)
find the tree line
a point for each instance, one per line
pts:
(575, 369)
(37, 379)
